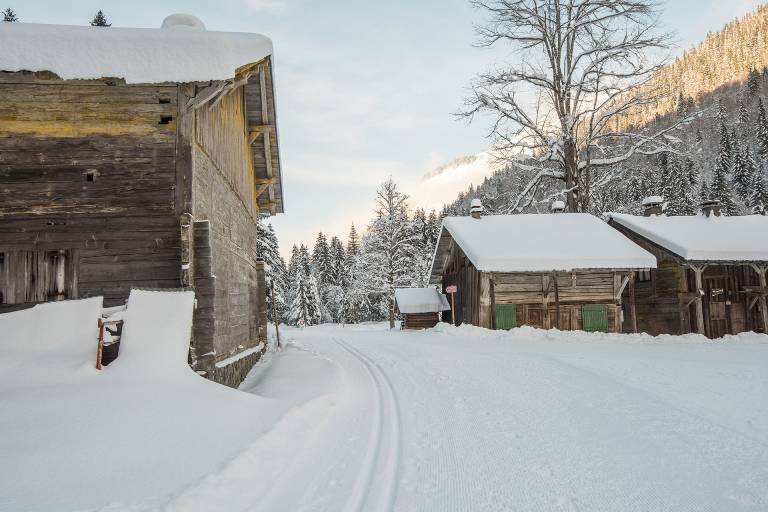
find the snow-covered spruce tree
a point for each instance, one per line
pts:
(704, 194)
(587, 64)
(305, 305)
(336, 281)
(9, 15)
(353, 242)
(100, 20)
(390, 244)
(753, 82)
(721, 113)
(762, 131)
(678, 195)
(745, 180)
(758, 201)
(321, 258)
(267, 247)
(743, 116)
(720, 187)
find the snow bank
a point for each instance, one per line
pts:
(540, 243)
(526, 333)
(140, 431)
(420, 300)
(138, 55)
(700, 238)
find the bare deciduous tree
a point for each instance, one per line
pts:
(581, 66)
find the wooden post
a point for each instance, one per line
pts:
(761, 271)
(100, 344)
(632, 310)
(453, 308)
(699, 300)
(274, 312)
(557, 301)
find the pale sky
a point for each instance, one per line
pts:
(365, 88)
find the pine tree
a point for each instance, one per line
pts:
(321, 258)
(353, 242)
(743, 114)
(677, 195)
(721, 113)
(699, 137)
(305, 305)
(758, 201)
(100, 20)
(276, 272)
(720, 188)
(762, 131)
(742, 172)
(704, 194)
(753, 82)
(9, 15)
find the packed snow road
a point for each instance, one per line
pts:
(471, 420)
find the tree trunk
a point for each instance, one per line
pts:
(571, 171)
(391, 313)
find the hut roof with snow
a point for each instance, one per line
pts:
(420, 300)
(698, 238)
(538, 243)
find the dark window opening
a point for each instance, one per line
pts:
(164, 100)
(165, 119)
(90, 177)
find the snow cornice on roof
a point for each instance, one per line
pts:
(700, 239)
(137, 55)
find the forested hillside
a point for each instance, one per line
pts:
(721, 86)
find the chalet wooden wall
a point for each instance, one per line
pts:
(222, 197)
(534, 295)
(89, 168)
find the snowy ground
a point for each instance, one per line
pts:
(363, 419)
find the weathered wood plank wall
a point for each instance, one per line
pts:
(89, 168)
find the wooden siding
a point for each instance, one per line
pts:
(236, 276)
(88, 168)
(221, 132)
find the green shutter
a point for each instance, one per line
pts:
(594, 318)
(506, 316)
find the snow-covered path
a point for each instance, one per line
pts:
(469, 420)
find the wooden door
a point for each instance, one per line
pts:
(506, 316)
(715, 310)
(594, 318)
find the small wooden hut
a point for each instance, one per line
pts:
(565, 270)
(710, 277)
(140, 158)
(420, 308)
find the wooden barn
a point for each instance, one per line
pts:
(420, 308)
(565, 270)
(140, 158)
(710, 276)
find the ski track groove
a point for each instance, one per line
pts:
(361, 494)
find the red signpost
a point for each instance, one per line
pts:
(452, 289)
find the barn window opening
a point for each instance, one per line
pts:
(166, 119)
(90, 176)
(643, 276)
(164, 100)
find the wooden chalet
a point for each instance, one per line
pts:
(420, 308)
(710, 276)
(140, 158)
(565, 270)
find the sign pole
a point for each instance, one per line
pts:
(452, 289)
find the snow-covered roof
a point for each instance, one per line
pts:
(541, 242)
(178, 52)
(700, 238)
(420, 300)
